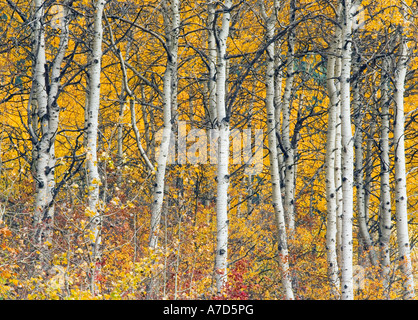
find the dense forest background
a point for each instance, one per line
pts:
(175, 149)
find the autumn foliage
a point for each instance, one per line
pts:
(183, 265)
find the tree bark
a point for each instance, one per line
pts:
(93, 177)
(400, 171)
(338, 146)
(48, 114)
(221, 260)
(171, 24)
(385, 222)
(347, 154)
(289, 160)
(212, 54)
(331, 236)
(269, 21)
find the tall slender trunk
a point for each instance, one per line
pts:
(338, 147)
(171, 24)
(48, 113)
(278, 106)
(289, 160)
(41, 199)
(93, 178)
(331, 236)
(385, 222)
(347, 154)
(212, 54)
(270, 21)
(400, 171)
(221, 260)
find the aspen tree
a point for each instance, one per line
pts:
(212, 54)
(331, 236)
(278, 83)
(40, 94)
(385, 222)
(93, 177)
(338, 147)
(400, 170)
(171, 26)
(348, 10)
(48, 114)
(288, 154)
(221, 260)
(270, 21)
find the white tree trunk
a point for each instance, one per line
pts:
(221, 260)
(269, 21)
(385, 200)
(338, 147)
(48, 113)
(347, 155)
(172, 24)
(289, 161)
(331, 236)
(278, 83)
(54, 111)
(93, 178)
(400, 172)
(212, 54)
(39, 85)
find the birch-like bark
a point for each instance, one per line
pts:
(54, 111)
(221, 260)
(338, 149)
(172, 24)
(347, 154)
(400, 170)
(331, 236)
(48, 113)
(278, 83)
(289, 161)
(93, 178)
(385, 222)
(269, 21)
(212, 54)
(41, 199)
